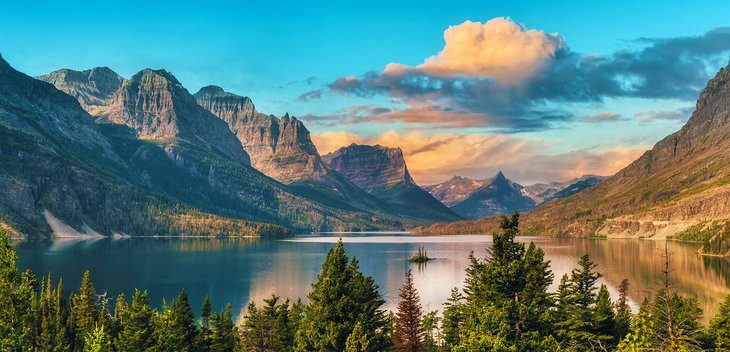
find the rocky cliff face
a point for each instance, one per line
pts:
(279, 147)
(382, 172)
(94, 88)
(158, 107)
(681, 182)
(370, 167)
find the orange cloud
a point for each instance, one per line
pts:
(435, 158)
(499, 48)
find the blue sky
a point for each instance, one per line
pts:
(275, 52)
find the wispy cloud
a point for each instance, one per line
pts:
(681, 114)
(602, 117)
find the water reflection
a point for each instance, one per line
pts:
(241, 270)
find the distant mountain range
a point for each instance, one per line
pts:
(474, 199)
(679, 188)
(93, 153)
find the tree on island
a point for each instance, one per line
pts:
(408, 330)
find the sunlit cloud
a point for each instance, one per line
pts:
(499, 48)
(602, 117)
(435, 158)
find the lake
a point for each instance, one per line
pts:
(239, 270)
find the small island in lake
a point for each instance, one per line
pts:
(420, 257)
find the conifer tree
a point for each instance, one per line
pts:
(408, 330)
(84, 309)
(136, 330)
(357, 341)
(342, 297)
(454, 318)
(204, 332)
(18, 305)
(176, 329)
(223, 333)
(97, 340)
(269, 328)
(119, 309)
(623, 311)
(720, 327)
(604, 324)
(431, 331)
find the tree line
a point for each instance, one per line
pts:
(504, 305)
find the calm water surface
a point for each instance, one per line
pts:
(241, 270)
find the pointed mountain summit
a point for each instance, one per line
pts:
(455, 189)
(94, 88)
(158, 107)
(382, 172)
(498, 195)
(279, 147)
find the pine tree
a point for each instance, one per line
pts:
(18, 305)
(408, 331)
(432, 334)
(204, 333)
(638, 339)
(84, 309)
(136, 330)
(223, 332)
(176, 329)
(454, 317)
(675, 318)
(97, 340)
(604, 324)
(720, 327)
(576, 297)
(535, 303)
(623, 311)
(357, 341)
(268, 328)
(342, 297)
(119, 309)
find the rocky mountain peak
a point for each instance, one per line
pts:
(370, 166)
(279, 147)
(93, 88)
(157, 106)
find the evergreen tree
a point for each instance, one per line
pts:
(17, 301)
(408, 331)
(204, 333)
(638, 339)
(576, 297)
(357, 341)
(676, 319)
(97, 340)
(623, 311)
(720, 327)
(431, 332)
(85, 310)
(222, 331)
(342, 297)
(534, 303)
(269, 328)
(136, 330)
(119, 309)
(604, 324)
(176, 329)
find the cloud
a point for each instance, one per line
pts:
(435, 158)
(602, 117)
(499, 48)
(315, 94)
(673, 68)
(681, 114)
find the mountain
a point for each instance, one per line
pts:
(545, 192)
(94, 88)
(279, 147)
(282, 149)
(678, 188)
(382, 172)
(62, 174)
(497, 195)
(455, 189)
(173, 147)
